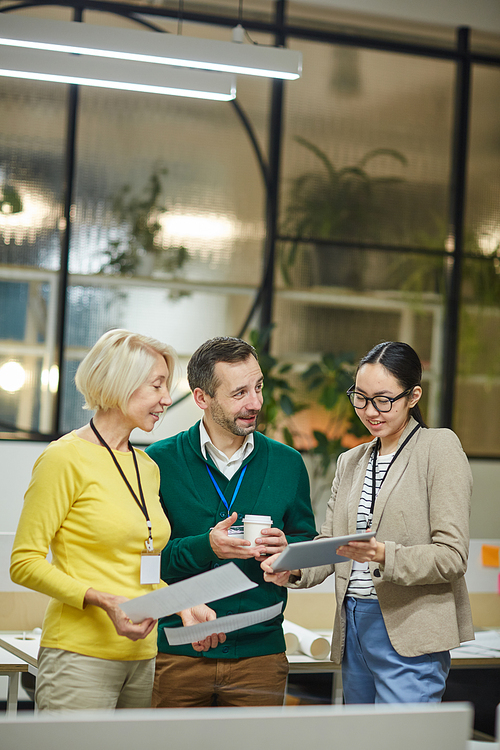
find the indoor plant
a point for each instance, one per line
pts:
(336, 204)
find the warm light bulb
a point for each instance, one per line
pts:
(12, 376)
(50, 378)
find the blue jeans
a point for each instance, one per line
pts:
(373, 672)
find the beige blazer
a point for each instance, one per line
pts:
(422, 516)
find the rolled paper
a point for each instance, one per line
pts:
(291, 642)
(310, 643)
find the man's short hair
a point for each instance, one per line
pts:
(118, 364)
(201, 366)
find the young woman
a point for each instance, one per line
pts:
(93, 500)
(402, 601)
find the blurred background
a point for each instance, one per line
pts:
(316, 217)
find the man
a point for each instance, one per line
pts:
(211, 476)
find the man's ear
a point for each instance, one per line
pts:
(201, 398)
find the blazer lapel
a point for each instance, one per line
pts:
(358, 479)
(395, 473)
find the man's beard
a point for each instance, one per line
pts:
(230, 423)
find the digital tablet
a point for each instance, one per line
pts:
(317, 552)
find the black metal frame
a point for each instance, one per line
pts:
(463, 57)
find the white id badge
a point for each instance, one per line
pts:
(150, 567)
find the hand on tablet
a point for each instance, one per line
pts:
(369, 551)
(281, 578)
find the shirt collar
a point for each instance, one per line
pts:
(242, 452)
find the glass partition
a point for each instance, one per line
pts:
(168, 222)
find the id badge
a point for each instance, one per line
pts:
(236, 531)
(150, 567)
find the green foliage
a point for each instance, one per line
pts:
(138, 217)
(10, 200)
(325, 382)
(334, 203)
(277, 391)
(427, 273)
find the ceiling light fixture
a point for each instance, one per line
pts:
(34, 64)
(151, 47)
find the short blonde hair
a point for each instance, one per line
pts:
(118, 364)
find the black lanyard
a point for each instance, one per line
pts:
(374, 470)
(141, 503)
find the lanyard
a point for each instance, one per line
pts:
(374, 470)
(141, 503)
(219, 491)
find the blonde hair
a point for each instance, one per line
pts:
(118, 364)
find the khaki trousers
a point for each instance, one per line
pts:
(189, 681)
(71, 682)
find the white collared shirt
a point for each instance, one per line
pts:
(227, 466)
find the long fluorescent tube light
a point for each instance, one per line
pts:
(150, 47)
(125, 75)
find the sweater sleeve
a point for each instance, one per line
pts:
(50, 495)
(449, 487)
(187, 556)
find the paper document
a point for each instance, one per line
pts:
(193, 633)
(218, 583)
(485, 646)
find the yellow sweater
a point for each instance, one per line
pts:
(78, 505)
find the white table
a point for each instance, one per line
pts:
(474, 656)
(23, 647)
(18, 653)
(11, 666)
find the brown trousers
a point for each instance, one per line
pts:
(189, 681)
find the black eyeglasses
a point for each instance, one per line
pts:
(380, 403)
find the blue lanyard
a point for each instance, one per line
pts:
(219, 491)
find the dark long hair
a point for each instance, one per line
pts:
(402, 362)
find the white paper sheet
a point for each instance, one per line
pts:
(194, 633)
(485, 646)
(215, 584)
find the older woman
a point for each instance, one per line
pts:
(93, 500)
(401, 599)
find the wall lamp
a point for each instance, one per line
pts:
(151, 47)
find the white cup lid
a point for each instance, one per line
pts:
(257, 519)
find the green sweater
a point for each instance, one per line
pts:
(275, 483)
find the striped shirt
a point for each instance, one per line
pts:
(360, 582)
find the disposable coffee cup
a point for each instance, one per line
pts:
(253, 526)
